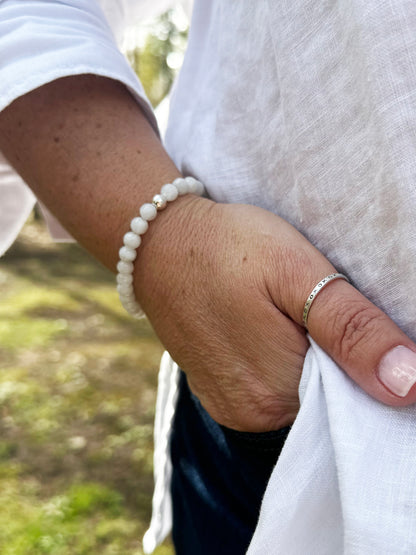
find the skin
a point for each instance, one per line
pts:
(223, 285)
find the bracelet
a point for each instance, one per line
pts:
(139, 225)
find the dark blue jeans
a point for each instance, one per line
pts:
(219, 478)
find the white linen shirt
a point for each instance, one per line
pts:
(307, 109)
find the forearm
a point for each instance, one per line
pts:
(85, 148)
(223, 285)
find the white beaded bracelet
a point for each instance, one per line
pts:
(139, 225)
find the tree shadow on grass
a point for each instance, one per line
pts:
(130, 375)
(61, 260)
(77, 270)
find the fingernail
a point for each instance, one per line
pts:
(397, 370)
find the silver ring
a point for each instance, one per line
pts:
(315, 291)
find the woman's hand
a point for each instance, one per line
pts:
(224, 287)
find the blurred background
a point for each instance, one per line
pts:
(78, 378)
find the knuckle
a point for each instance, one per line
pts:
(278, 412)
(356, 326)
(286, 282)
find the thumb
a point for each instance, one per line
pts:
(364, 342)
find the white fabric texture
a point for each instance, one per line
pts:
(16, 203)
(345, 481)
(167, 395)
(307, 109)
(71, 38)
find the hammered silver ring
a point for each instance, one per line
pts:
(315, 291)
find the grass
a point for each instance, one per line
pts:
(77, 391)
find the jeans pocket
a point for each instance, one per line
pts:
(264, 442)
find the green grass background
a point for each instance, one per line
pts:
(77, 383)
(77, 391)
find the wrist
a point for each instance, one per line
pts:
(183, 193)
(167, 254)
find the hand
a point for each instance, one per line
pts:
(223, 285)
(225, 292)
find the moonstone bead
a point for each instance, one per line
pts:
(124, 278)
(169, 191)
(192, 184)
(181, 185)
(127, 300)
(129, 303)
(138, 314)
(139, 226)
(127, 254)
(195, 186)
(132, 240)
(200, 189)
(125, 288)
(160, 202)
(125, 267)
(134, 309)
(148, 211)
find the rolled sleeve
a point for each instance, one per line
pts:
(41, 41)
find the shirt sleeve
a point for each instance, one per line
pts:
(43, 40)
